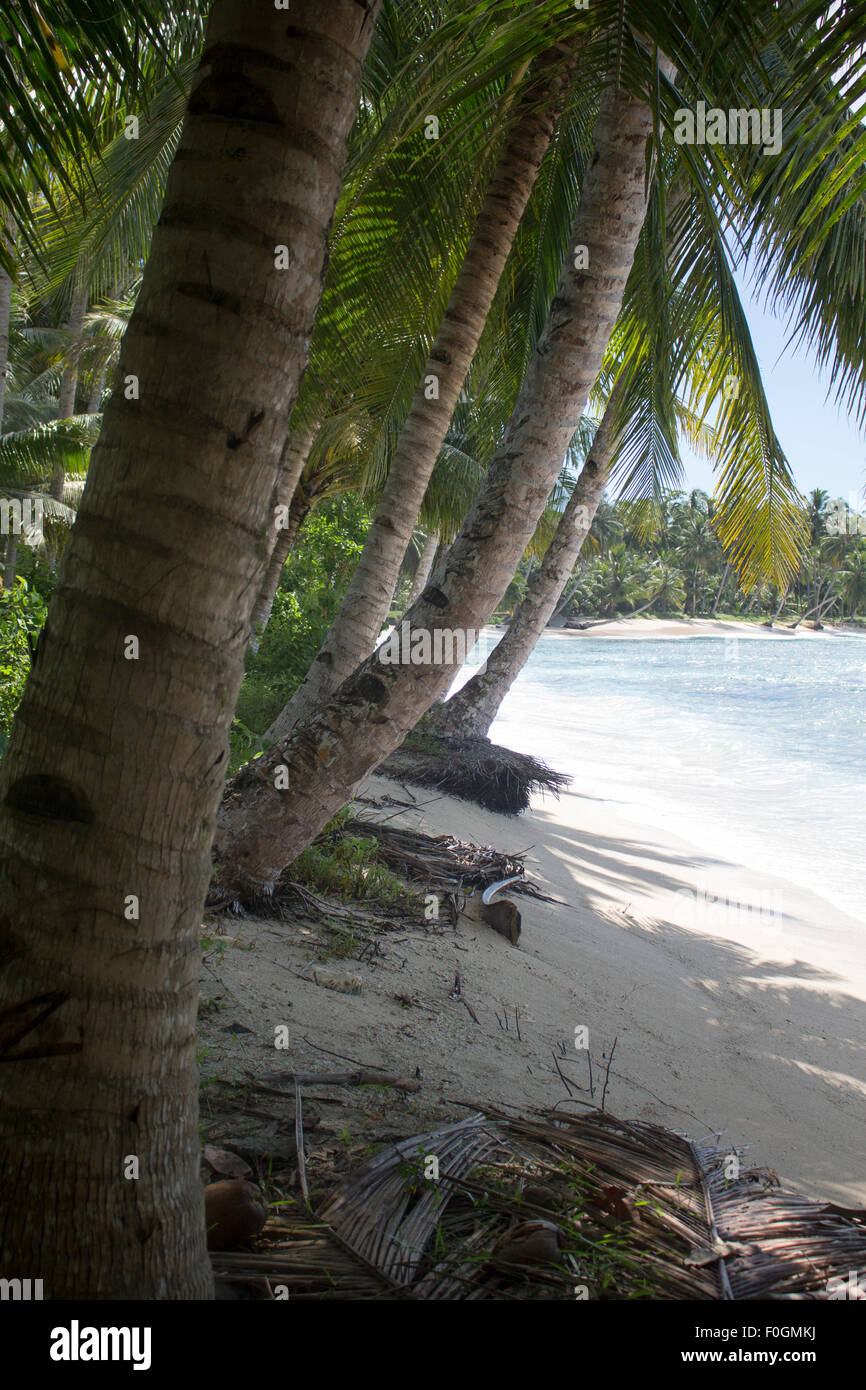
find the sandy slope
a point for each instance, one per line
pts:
(725, 1019)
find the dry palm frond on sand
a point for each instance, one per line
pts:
(443, 863)
(557, 1207)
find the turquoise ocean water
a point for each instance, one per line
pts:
(752, 749)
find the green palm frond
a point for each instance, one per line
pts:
(32, 456)
(102, 228)
(61, 64)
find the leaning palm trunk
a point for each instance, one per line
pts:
(97, 391)
(356, 627)
(114, 769)
(5, 315)
(721, 588)
(69, 380)
(287, 523)
(425, 568)
(473, 709)
(278, 803)
(10, 560)
(10, 555)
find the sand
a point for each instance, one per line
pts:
(737, 1002)
(641, 627)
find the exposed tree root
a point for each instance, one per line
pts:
(473, 769)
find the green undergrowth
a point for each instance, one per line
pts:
(348, 866)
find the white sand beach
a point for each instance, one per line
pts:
(727, 1019)
(645, 627)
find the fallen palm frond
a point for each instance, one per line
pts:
(562, 1208)
(442, 863)
(473, 769)
(301, 1256)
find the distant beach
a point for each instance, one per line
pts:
(642, 628)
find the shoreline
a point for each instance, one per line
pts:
(737, 999)
(704, 1017)
(639, 628)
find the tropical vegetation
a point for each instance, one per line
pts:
(296, 298)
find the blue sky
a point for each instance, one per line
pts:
(824, 445)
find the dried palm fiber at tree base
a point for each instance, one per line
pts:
(535, 1208)
(439, 863)
(443, 863)
(473, 769)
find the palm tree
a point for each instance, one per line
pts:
(472, 710)
(296, 455)
(852, 582)
(353, 633)
(260, 830)
(376, 706)
(606, 528)
(668, 590)
(198, 538)
(424, 567)
(817, 506)
(696, 542)
(5, 315)
(661, 324)
(112, 746)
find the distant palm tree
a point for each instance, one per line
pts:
(696, 543)
(817, 513)
(669, 592)
(606, 528)
(852, 582)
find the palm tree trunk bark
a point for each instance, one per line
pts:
(721, 588)
(97, 392)
(69, 380)
(69, 377)
(299, 510)
(5, 315)
(262, 827)
(113, 773)
(473, 709)
(10, 560)
(356, 628)
(425, 568)
(297, 453)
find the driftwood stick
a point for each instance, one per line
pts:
(564, 1079)
(363, 1077)
(470, 1008)
(607, 1073)
(299, 1144)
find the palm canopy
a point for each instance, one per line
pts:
(65, 67)
(408, 205)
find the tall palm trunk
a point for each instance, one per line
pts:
(721, 588)
(69, 376)
(10, 560)
(356, 627)
(473, 709)
(69, 380)
(97, 391)
(5, 315)
(262, 828)
(283, 538)
(425, 567)
(113, 773)
(10, 551)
